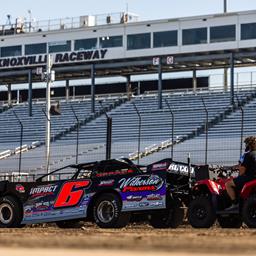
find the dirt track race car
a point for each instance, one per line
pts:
(107, 192)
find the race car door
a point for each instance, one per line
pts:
(56, 200)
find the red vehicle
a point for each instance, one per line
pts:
(209, 199)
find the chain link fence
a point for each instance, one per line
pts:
(211, 134)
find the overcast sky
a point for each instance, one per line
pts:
(146, 9)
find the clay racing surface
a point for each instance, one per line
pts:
(132, 240)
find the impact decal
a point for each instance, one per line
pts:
(141, 183)
(43, 190)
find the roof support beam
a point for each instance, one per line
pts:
(30, 93)
(232, 73)
(93, 88)
(160, 87)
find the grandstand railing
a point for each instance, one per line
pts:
(22, 25)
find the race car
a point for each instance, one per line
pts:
(106, 192)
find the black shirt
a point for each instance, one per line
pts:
(249, 162)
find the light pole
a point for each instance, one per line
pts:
(30, 19)
(225, 6)
(49, 77)
(225, 75)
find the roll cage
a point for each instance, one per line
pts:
(96, 167)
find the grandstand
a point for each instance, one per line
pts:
(156, 128)
(200, 120)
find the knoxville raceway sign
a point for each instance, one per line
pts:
(58, 58)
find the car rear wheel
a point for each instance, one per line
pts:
(249, 212)
(10, 212)
(107, 212)
(201, 213)
(169, 218)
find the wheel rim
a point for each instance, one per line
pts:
(6, 213)
(200, 212)
(106, 211)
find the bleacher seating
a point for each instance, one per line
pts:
(224, 138)
(34, 127)
(156, 125)
(189, 114)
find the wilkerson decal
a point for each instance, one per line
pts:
(41, 59)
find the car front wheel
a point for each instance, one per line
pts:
(107, 212)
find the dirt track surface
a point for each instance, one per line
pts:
(133, 240)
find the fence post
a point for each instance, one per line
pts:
(206, 131)
(139, 134)
(173, 120)
(48, 155)
(109, 138)
(21, 139)
(77, 132)
(109, 133)
(242, 124)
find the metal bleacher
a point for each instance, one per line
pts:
(156, 127)
(156, 124)
(224, 138)
(34, 129)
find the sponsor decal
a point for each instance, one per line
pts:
(120, 172)
(181, 169)
(42, 206)
(71, 193)
(28, 211)
(43, 190)
(156, 204)
(132, 198)
(131, 205)
(153, 197)
(141, 183)
(20, 188)
(160, 166)
(41, 59)
(105, 183)
(143, 204)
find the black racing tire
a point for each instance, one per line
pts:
(169, 218)
(65, 224)
(249, 212)
(201, 213)
(107, 212)
(10, 212)
(230, 221)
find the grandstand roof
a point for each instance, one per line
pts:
(192, 43)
